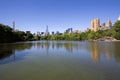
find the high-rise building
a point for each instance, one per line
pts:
(95, 24)
(53, 33)
(38, 33)
(109, 23)
(103, 25)
(47, 33)
(13, 25)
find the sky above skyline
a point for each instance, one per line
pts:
(35, 15)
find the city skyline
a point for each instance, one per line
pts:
(59, 15)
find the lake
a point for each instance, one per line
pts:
(60, 60)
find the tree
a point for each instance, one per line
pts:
(117, 30)
(5, 33)
(91, 35)
(117, 26)
(29, 36)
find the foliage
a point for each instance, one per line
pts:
(89, 35)
(117, 30)
(8, 35)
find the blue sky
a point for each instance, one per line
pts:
(59, 15)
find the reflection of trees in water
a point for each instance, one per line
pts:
(98, 49)
(7, 51)
(21, 46)
(117, 51)
(68, 45)
(5, 54)
(16, 46)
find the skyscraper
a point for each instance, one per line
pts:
(109, 23)
(47, 33)
(13, 25)
(95, 24)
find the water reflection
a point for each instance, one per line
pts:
(8, 51)
(6, 55)
(98, 50)
(117, 51)
(95, 52)
(69, 46)
(107, 50)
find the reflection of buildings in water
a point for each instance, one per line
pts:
(38, 45)
(95, 53)
(47, 48)
(69, 47)
(53, 45)
(44, 45)
(98, 50)
(107, 51)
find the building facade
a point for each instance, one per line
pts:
(109, 23)
(95, 25)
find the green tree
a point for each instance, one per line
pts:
(117, 30)
(91, 35)
(29, 36)
(117, 26)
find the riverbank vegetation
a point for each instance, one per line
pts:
(113, 33)
(8, 35)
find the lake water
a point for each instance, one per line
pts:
(60, 60)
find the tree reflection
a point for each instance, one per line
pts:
(98, 50)
(5, 54)
(117, 51)
(7, 51)
(69, 45)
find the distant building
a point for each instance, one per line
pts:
(13, 25)
(47, 31)
(53, 33)
(57, 33)
(109, 24)
(87, 30)
(69, 30)
(28, 32)
(42, 33)
(38, 33)
(77, 31)
(103, 25)
(34, 34)
(95, 25)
